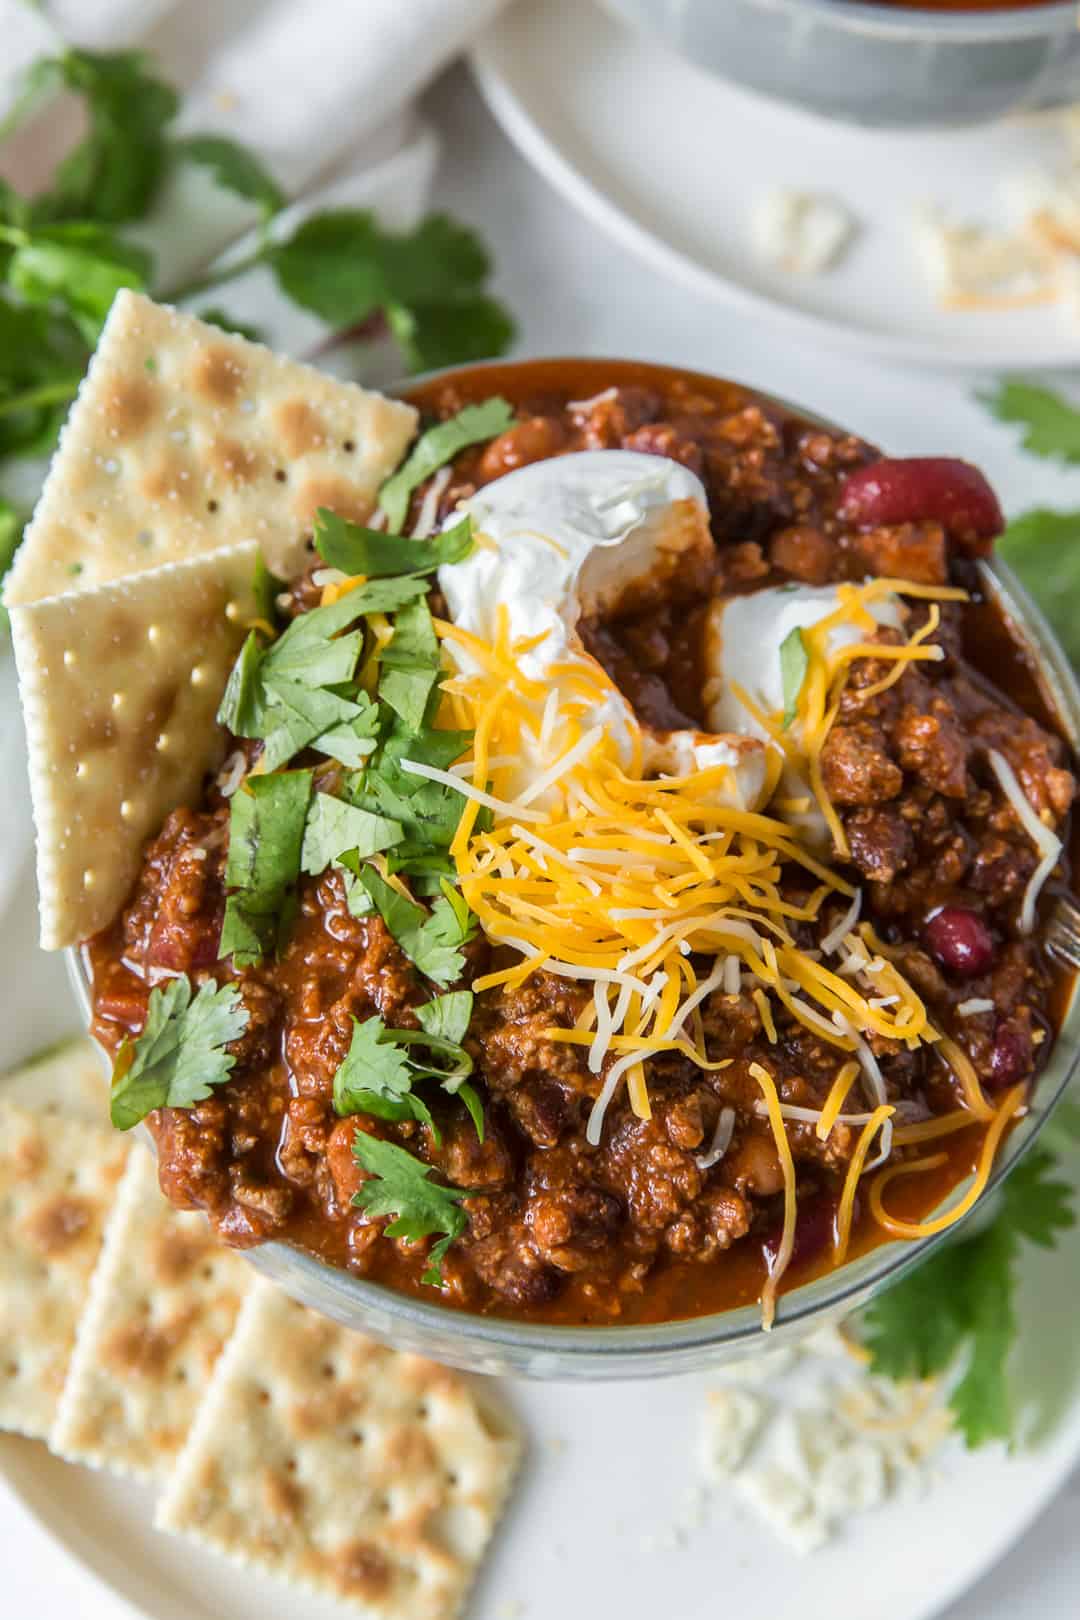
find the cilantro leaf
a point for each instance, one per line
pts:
(356, 550)
(447, 1016)
(376, 1077)
(266, 830)
(957, 1308)
(451, 332)
(335, 828)
(82, 265)
(1043, 547)
(343, 266)
(235, 168)
(473, 425)
(410, 664)
(1051, 425)
(430, 941)
(794, 662)
(215, 316)
(180, 1056)
(296, 715)
(10, 535)
(399, 1184)
(114, 172)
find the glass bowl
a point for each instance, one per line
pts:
(880, 65)
(491, 1344)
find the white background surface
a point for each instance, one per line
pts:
(576, 293)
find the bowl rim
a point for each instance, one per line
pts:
(915, 24)
(556, 1350)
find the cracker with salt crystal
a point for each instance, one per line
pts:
(341, 1466)
(58, 1181)
(119, 688)
(71, 1079)
(162, 1303)
(184, 439)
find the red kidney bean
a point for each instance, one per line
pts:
(814, 1230)
(961, 941)
(950, 492)
(1011, 1057)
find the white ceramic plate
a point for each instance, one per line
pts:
(590, 1529)
(671, 161)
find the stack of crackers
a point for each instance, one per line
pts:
(131, 1341)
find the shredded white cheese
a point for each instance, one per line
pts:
(725, 1130)
(832, 941)
(1046, 842)
(975, 1004)
(429, 507)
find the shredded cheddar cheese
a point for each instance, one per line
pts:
(584, 866)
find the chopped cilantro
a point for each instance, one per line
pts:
(955, 1312)
(1051, 425)
(794, 662)
(399, 1184)
(447, 1016)
(430, 941)
(383, 1066)
(440, 444)
(180, 1054)
(266, 832)
(410, 664)
(356, 550)
(336, 828)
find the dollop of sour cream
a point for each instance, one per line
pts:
(577, 536)
(743, 637)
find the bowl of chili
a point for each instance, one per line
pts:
(650, 1257)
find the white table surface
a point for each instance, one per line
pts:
(577, 293)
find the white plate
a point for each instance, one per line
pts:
(671, 161)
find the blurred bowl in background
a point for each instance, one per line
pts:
(876, 64)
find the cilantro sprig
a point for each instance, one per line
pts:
(956, 1314)
(432, 940)
(399, 1184)
(267, 816)
(1051, 424)
(65, 252)
(180, 1055)
(440, 444)
(357, 550)
(383, 1065)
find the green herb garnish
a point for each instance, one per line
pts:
(400, 1185)
(383, 1065)
(956, 1311)
(436, 447)
(356, 550)
(336, 828)
(794, 662)
(431, 941)
(1051, 425)
(180, 1055)
(266, 834)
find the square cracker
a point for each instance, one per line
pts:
(344, 1467)
(58, 1180)
(163, 1301)
(184, 439)
(71, 1079)
(120, 686)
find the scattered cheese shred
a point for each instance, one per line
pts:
(877, 1121)
(1014, 1101)
(787, 1164)
(1047, 843)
